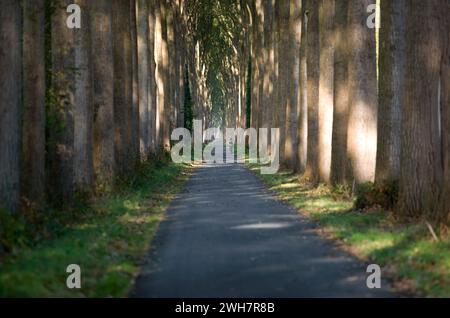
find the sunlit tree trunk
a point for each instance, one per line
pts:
(313, 66)
(293, 70)
(152, 105)
(420, 163)
(171, 81)
(83, 111)
(339, 159)
(166, 110)
(302, 132)
(33, 116)
(326, 86)
(143, 75)
(259, 60)
(256, 65)
(10, 88)
(362, 123)
(158, 77)
(103, 91)
(391, 90)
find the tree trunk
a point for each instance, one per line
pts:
(293, 83)
(103, 91)
(143, 75)
(313, 66)
(123, 86)
(444, 201)
(259, 59)
(269, 80)
(256, 66)
(159, 77)
(362, 123)
(171, 117)
(420, 163)
(83, 111)
(61, 109)
(391, 90)
(302, 131)
(163, 66)
(326, 86)
(285, 111)
(10, 88)
(152, 105)
(134, 124)
(339, 159)
(33, 117)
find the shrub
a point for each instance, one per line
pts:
(370, 194)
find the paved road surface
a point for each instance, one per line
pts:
(226, 236)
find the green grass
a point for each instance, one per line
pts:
(108, 245)
(406, 252)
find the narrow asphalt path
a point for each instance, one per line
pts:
(226, 236)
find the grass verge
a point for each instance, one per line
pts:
(406, 252)
(108, 244)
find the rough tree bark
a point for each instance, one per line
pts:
(163, 67)
(362, 123)
(259, 60)
(268, 36)
(103, 92)
(61, 110)
(326, 86)
(313, 66)
(158, 76)
(134, 123)
(420, 163)
(391, 72)
(339, 159)
(256, 22)
(123, 86)
(152, 105)
(33, 116)
(292, 108)
(171, 82)
(444, 201)
(143, 75)
(302, 132)
(283, 81)
(10, 88)
(83, 111)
